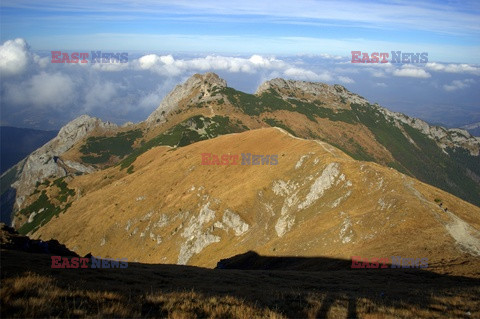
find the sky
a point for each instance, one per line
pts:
(246, 42)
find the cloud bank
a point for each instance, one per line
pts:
(37, 93)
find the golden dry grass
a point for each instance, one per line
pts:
(30, 288)
(389, 213)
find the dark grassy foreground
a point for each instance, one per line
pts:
(31, 288)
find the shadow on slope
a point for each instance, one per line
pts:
(253, 261)
(329, 289)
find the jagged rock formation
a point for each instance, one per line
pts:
(43, 163)
(444, 138)
(339, 95)
(311, 91)
(196, 88)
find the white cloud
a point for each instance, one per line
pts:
(99, 95)
(13, 57)
(42, 62)
(409, 71)
(58, 92)
(458, 85)
(306, 75)
(378, 73)
(345, 79)
(453, 68)
(109, 67)
(44, 90)
(167, 65)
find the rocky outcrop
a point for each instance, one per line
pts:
(442, 136)
(198, 88)
(337, 95)
(43, 163)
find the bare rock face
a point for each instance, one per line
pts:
(197, 88)
(336, 94)
(43, 163)
(442, 136)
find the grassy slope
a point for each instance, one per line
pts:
(194, 129)
(47, 206)
(428, 164)
(32, 289)
(446, 172)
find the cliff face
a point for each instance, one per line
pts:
(196, 89)
(45, 161)
(336, 94)
(456, 138)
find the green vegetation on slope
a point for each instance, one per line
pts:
(460, 155)
(270, 101)
(99, 149)
(194, 129)
(44, 207)
(274, 122)
(425, 161)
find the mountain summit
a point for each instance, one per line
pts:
(204, 107)
(336, 94)
(196, 89)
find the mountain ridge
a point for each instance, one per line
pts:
(317, 201)
(204, 107)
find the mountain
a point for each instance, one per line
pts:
(315, 201)
(16, 143)
(301, 177)
(473, 129)
(204, 107)
(19, 181)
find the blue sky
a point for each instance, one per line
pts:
(246, 42)
(448, 30)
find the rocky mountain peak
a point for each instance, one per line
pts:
(42, 163)
(198, 88)
(78, 128)
(336, 95)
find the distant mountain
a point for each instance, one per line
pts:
(16, 143)
(473, 129)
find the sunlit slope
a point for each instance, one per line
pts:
(203, 107)
(317, 201)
